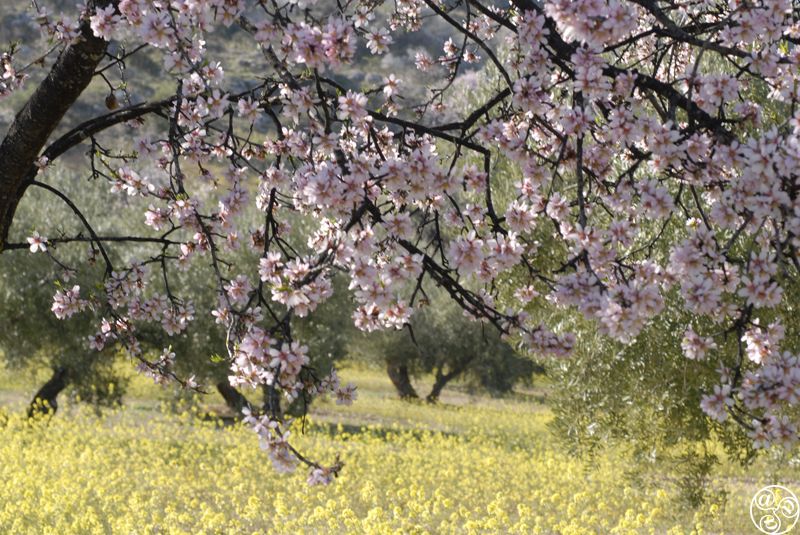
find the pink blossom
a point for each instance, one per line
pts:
(379, 40)
(239, 289)
(716, 405)
(352, 106)
(38, 243)
(104, 22)
(466, 253)
(694, 346)
(67, 302)
(346, 395)
(249, 109)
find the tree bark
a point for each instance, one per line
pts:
(400, 379)
(45, 399)
(27, 135)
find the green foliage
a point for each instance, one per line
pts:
(447, 342)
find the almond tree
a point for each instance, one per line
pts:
(626, 119)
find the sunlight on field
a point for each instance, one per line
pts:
(484, 466)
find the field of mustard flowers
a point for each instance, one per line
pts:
(470, 465)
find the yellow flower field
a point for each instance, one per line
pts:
(485, 466)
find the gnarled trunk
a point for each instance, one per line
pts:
(439, 384)
(398, 373)
(44, 401)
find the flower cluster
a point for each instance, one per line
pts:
(67, 302)
(10, 79)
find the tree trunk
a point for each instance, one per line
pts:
(441, 381)
(44, 401)
(71, 74)
(400, 379)
(233, 398)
